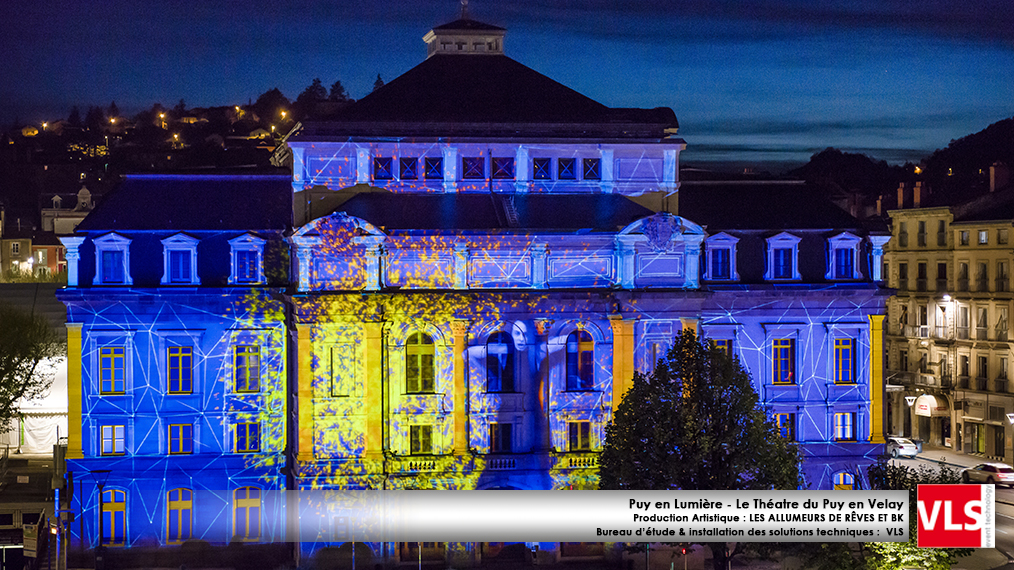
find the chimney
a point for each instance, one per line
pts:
(901, 196)
(999, 176)
(917, 194)
(880, 205)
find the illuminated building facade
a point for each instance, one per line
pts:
(478, 260)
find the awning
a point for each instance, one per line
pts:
(931, 407)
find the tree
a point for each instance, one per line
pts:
(338, 93)
(269, 104)
(27, 340)
(74, 119)
(696, 423)
(113, 111)
(95, 118)
(308, 99)
(180, 109)
(378, 83)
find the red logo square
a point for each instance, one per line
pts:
(956, 516)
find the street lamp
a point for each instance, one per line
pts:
(44, 125)
(100, 478)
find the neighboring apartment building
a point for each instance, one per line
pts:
(949, 331)
(470, 280)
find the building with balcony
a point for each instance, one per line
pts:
(948, 331)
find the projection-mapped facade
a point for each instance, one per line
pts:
(473, 272)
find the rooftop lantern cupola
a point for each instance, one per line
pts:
(465, 36)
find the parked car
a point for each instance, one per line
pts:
(992, 473)
(901, 447)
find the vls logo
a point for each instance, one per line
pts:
(956, 516)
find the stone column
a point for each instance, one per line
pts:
(459, 328)
(542, 424)
(72, 243)
(623, 356)
(304, 392)
(374, 388)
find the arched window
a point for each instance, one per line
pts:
(500, 363)
(419, 363)
(580, 361)
(246, 513)
(180, 506)
(114, 517)
(843, 481)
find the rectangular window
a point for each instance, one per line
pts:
(181, 369)
(382, 168)
(112, 267)
(408, 168)
(420, 440)
(720, 263)
(503, 167)
(566, 168)
(111, 369)
(579, 435)
(844, 361)
(112, 440)
(983, 237)
(783, 263)
(247, 367)
(592, 168)
(473, 167)
(434, 168)
(501, 438)
(844, 263)
(246, 266)
(541, 169)
(963, 237)
(1002, 237)
(248, 437)
(784, 357)
(15, 248)
(844, 429)
(180, 510)
(786, 425)
(179, 266)
(181, 438)
(725, 345)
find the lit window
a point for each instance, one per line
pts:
(500, 437)
(983, 237)
(181, 369)
(112, 254)
(419, 353)
(408, 168)
(473, 167)
(566, 168)
(541, 169)
(592, 168)
(503, 167)
(843, 481)
(783, 354)
(246, 513)
(429, 551)
(180, 257)
(434, 167)
(180, 507)
(782, 251)
(844, 360)
(382, 168)
(723, 344)
(15, 248)
(114, 517)
(112, 440)
(248, 437)
(247, 369)
(181, 439)
(580, 361)
(843, 426)
(500, 363)
(111, 369)
(247, 254)
(420, 440)
(579, 436)
(786, 425)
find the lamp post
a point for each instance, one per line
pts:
(100, 478)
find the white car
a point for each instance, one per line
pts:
(992, 473)
(901, 447)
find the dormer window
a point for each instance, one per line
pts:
(720, 252)
(843, 257)
(782, 258)
(112, 260)
(180, 260)
(247, 260)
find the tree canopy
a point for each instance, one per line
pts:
(26, 341)
(696, 423)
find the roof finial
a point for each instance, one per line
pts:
(464, 10)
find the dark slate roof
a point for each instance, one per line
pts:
(760, 205)
(468, 24)
(993, 206)
(480, 95)
(597, 212)
(194, 202)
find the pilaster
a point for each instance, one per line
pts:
(876, 379)
(623, 356)
(74, 443)
(459, 329)
(374, 386)
(304, 392)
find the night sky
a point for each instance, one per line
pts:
(752, 82)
